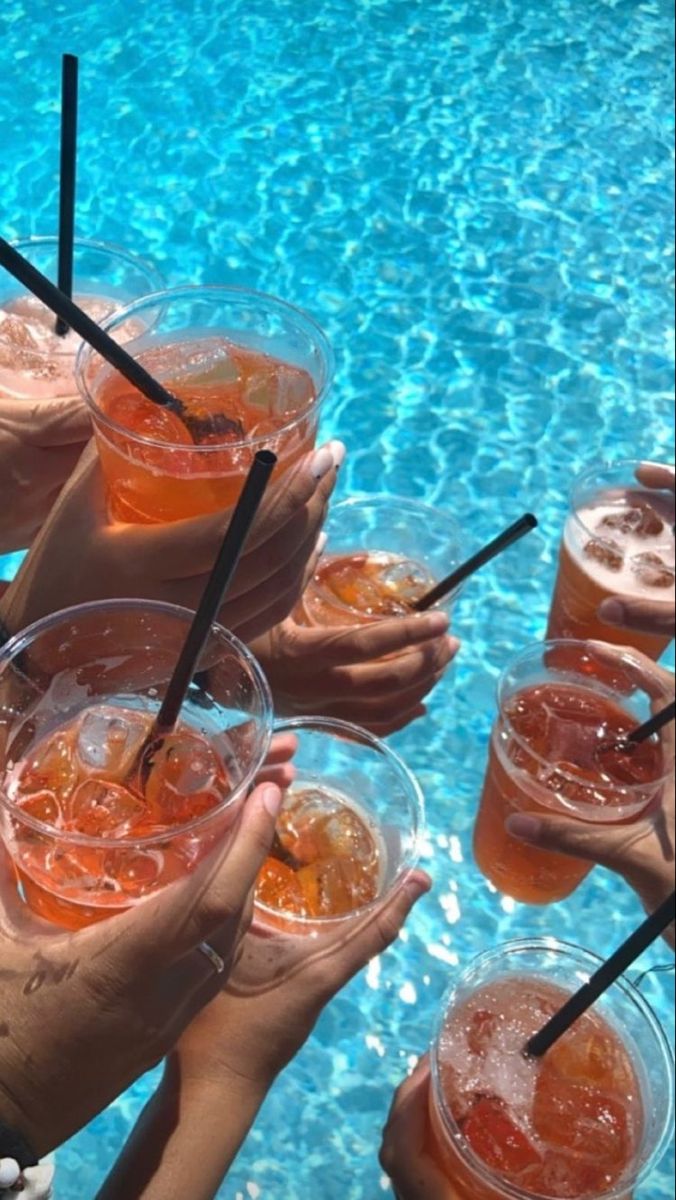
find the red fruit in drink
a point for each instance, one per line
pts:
(497, 1139)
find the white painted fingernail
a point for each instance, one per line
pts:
(338, 450)
(322, 462)
(320, 544)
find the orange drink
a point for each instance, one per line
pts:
(588, 1121)
(349, 828)
(383, 554)
(617, 540)
(35, 362)
(89, 832)
(251, 373)
(553, 749)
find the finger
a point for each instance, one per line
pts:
(645, 616)
(387, 706)
(657, 681)
(58, 422)
(341, 647)
(51, 468)
(387, 728)
(396, 675)
(316, 470)
(657, 475)
(178, 919)
(282, 776)
(404, 1155)
(608, 847)
(282, 749)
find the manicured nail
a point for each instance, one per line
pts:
(435, 623)
(338, 450)
(320, 544)
(272, 800)
(612, 612)
(524, 827)
(322, 462)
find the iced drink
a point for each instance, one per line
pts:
(617, 540)
(585, 1122)
(554, 750)
(384, 553)
(348, 829)
(251, 373)
(92, 825)
(35, 363)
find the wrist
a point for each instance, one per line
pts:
(247, 1088)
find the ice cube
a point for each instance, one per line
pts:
(49, 767)
(651, 570)
(405, 578)
(589, 1056)
(108, 741)
(481, 1030)
(43, 806)
(577, 1117)
(203, 363)
(279, 889)
(641, 520)
(606, 552)
(135, 872)
(185, 779)
(279, 389)
(102, 809)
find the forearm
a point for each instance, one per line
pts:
(185, 1140)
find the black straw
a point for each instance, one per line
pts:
(87, 329)
(500, 543)
(648, 728)
(604, 978)
(214, 593)
(69, 81)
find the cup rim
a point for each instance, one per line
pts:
(219, 292)
(348, 729)
(620, 464)
(39, 241)
(20, 642)
(533, 648)
(631, 993)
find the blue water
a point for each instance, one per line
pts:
(475, 199)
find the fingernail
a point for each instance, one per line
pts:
(436, 623)
(322, 462)
(418, 886)
(272, 800)
(320, 544)
(524, 827)
(338, 452)
(612, 611)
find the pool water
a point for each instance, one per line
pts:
(475, 200)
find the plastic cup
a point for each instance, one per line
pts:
(37, 364)
(638, 1041)
(351, 779)
(540, 766)
(598, 560)
(260, 364)
(96, 660)
(373, 530)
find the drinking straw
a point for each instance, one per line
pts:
(69, 79)
(62, 306)
(648, 728)
(500, 543)
(221, 576)
(604, 978)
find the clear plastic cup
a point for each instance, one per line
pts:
(35, 362)
(254, 370)
(353, 820)
(536, 764)
(525, 973)
(78, 693)
(383, 553)
(618, 540)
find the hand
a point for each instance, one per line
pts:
(227, 1059)
(642, 852)
(407, 1137)
(80, 556)
(84, 1014)
(40, 444)
(637, 613)
(373, 675)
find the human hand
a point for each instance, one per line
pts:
(84, 1014)
(405, 1155)
(40, 443)
(375, 675)
(80, 556)
(638, 613)
(641, 852)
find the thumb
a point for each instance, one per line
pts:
(608, 846)
(379, 929)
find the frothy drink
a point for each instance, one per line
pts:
(618, 541)
(35, 363)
